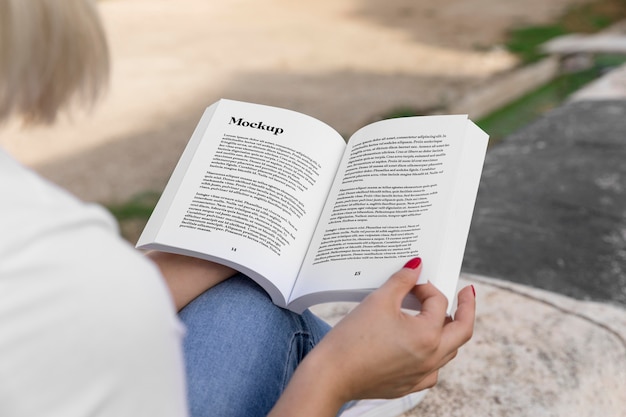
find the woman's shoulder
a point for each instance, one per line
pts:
(49, 235)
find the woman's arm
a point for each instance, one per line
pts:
(379, 351)
(188, 277)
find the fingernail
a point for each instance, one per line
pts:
(413, 263)
(473, 290)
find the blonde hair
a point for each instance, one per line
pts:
(52, 53)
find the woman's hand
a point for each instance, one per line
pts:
(188, 277)
(379, 351)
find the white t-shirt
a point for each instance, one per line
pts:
(87, 326)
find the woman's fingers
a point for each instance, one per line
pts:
(434, 303)
(460, 330)
(402, 282)
(448, 334)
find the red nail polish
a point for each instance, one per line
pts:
(413, 263)
(473, 290)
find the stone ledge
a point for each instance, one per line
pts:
(601, 43)
(505, 88)
(534, 353)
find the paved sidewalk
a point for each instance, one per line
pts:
(343, 61)
(550, 210)
(612, 86)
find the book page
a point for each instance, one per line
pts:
(460, 211)
(252, 193)
(391, 202)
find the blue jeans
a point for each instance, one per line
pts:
(241, 350)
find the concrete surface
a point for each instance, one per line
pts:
(550, 214)
(551, 206)
(608, 43)
(612, 86)
(534, 353)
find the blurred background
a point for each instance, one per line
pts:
(346, 62)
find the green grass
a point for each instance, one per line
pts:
(138, 207)
(585, 18)
(133, 214)
(529, 107)
(532, 105)
(524, 42)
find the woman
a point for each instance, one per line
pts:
(89, 326)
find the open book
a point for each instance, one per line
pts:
(281, 197)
